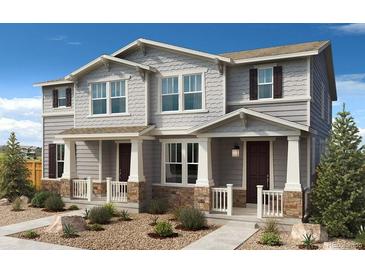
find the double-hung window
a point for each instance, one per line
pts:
(62, 98)
(193, 92)
(118, 97)
(173, 163)
(192, 162)
(181, 162)
(265, 83)
(99, 98)
(60, 157)
(170, 94)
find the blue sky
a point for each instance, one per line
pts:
(36, 52)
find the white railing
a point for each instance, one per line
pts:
(81, 189)
(269, 202)
(116, 191)
(222, 199)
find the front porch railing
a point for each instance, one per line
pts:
(269, 203)
(222, 199)
(82, 189)
(116, 191)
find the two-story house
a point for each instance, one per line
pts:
(216, 132)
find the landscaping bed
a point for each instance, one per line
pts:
(127, 235)
(8, 217)
(288, 244)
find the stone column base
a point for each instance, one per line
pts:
(239, 198)
(202, 198)
(135, 193)
(99, 189)
(293, 204)
(61, 186)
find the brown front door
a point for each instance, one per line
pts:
(258, 168)
(124, 161)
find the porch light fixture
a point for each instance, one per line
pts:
(236, 151)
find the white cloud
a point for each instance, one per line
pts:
(28, 132)
(362, 133)
(350, 28)
(351, 83)
(25, 105)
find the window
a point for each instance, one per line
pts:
(265, 83)
(193, 157)
(99, 98)
(117, 97)
(173, 164)
(193, 91)
(170, 94)
(60, 157)
(62, 98)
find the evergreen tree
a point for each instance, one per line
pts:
(338, 197)
(13, 172)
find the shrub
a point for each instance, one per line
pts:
(271, 225)
(73, 207)
(360, 238)
(154, 220)
(192, 218)
(54, 203)
(99, 215)
(69, 231)
(17, 205)
(30, 234)
(124, 215)
(270, 238)
(95, 227)
(40, 198)
(163, 229)
(158, 206)
(111, 208)
(176, 213)
(86, 213)
(308, 241)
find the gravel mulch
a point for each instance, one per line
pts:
(8, 217)
(126, 235)
(289, 244)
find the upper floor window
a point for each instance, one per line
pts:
(265, 83)
(118, 97)
(170, 94)
(99, 104)
(193, 91)
(61, 97)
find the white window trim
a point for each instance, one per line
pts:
(58, 98)
(272, 83)
(161, 95)
(125, 96)
(60, 161)
(180, 74)
(184, 157)
(108, 100)
(193, 92)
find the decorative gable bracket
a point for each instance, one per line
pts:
(142, 47)
(220, 66)
(243, 118)
(142, 73)
(106, 64)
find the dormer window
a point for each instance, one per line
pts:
(265, 83)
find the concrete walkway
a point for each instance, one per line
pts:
(228, 237)
(22, 244)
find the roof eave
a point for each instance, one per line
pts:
(53, 83)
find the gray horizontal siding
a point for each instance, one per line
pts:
(109, 160)
(87, 159)
(168, 61)
(51, 127)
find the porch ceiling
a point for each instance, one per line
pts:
(104, 132)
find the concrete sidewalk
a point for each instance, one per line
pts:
(228, 237)
(22, 244)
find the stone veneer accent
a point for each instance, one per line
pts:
(99, 189)
(198, 197)
(239, 198)
(60, 186)
(293, 204)
(135, 193)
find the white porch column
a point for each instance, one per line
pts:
(108, 189)
(136, 171)
(293, 165)
(69, 160)
(205, 164)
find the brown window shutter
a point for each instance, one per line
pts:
(55, 98)
(68, 97)
(52, 160)
(278, 82)
(253, 84)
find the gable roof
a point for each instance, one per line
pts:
(141, 41)
(253, 113)
(279, 52)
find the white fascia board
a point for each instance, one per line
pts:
(275, 57)
(252, 113)
(96, 135)
(174, 48)
(53, 83)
